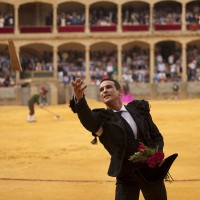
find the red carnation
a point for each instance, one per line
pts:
(141, 147)
(159, 156)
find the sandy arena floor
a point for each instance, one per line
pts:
(54, 160)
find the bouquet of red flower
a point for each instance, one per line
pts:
(157, 166)
(152, 157)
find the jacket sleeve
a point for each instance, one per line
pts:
(152, 134)
(88, 118)
(155, 135)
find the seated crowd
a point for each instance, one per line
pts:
(193, 14)
(6, 19)
(102, 65)
(132, 16)
(34, 63)
(170, 15)
(103, 17)
(73, 18)
(135, 67)
(7, 76)
(193, 58)
(170, 68)
(71, 64)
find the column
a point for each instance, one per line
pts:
(16, 20)
(183, 19)
(119, 22)
(55, 61)
(87, 65)
(184, 63)
(152, 71)
(152, 64)
(151, 28)
(87, 18)
(17, 72)
(119, 63)
(55, 20)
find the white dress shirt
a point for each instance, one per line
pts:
(126, 115)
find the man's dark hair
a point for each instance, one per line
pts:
(116, 83)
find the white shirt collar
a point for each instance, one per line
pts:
(123, 109)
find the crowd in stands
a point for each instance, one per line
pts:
(193, 14)
(168, 68)
(7, 76)
(35, 63)
(102, 65)
(73, 18)
(170, 15)
(71, 64)
(135, 67)
(6, 19)
(193, 67)
(131, 16)
(103, 17)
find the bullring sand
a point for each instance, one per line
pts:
(53, 159)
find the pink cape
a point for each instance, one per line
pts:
(126, 98)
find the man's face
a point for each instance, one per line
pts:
(109, 94)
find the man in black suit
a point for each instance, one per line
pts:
(120, 129)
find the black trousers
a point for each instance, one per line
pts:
(128, 188)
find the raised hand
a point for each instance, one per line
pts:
(78, 88)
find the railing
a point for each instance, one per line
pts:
(95, 28)
(34, 74)
(71, 28)
(163, 27)
(35, 29)
(135, 28)
(193, 27)
(7, 29)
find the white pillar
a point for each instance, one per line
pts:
(55, 61)
(152, 64)
(87, 65)
(17, 72)
(119, 63)
(87, 10)
(183, 19)
(16, 20)
(119, 22)
(151, 28)
(184, 63)
(55, 30)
